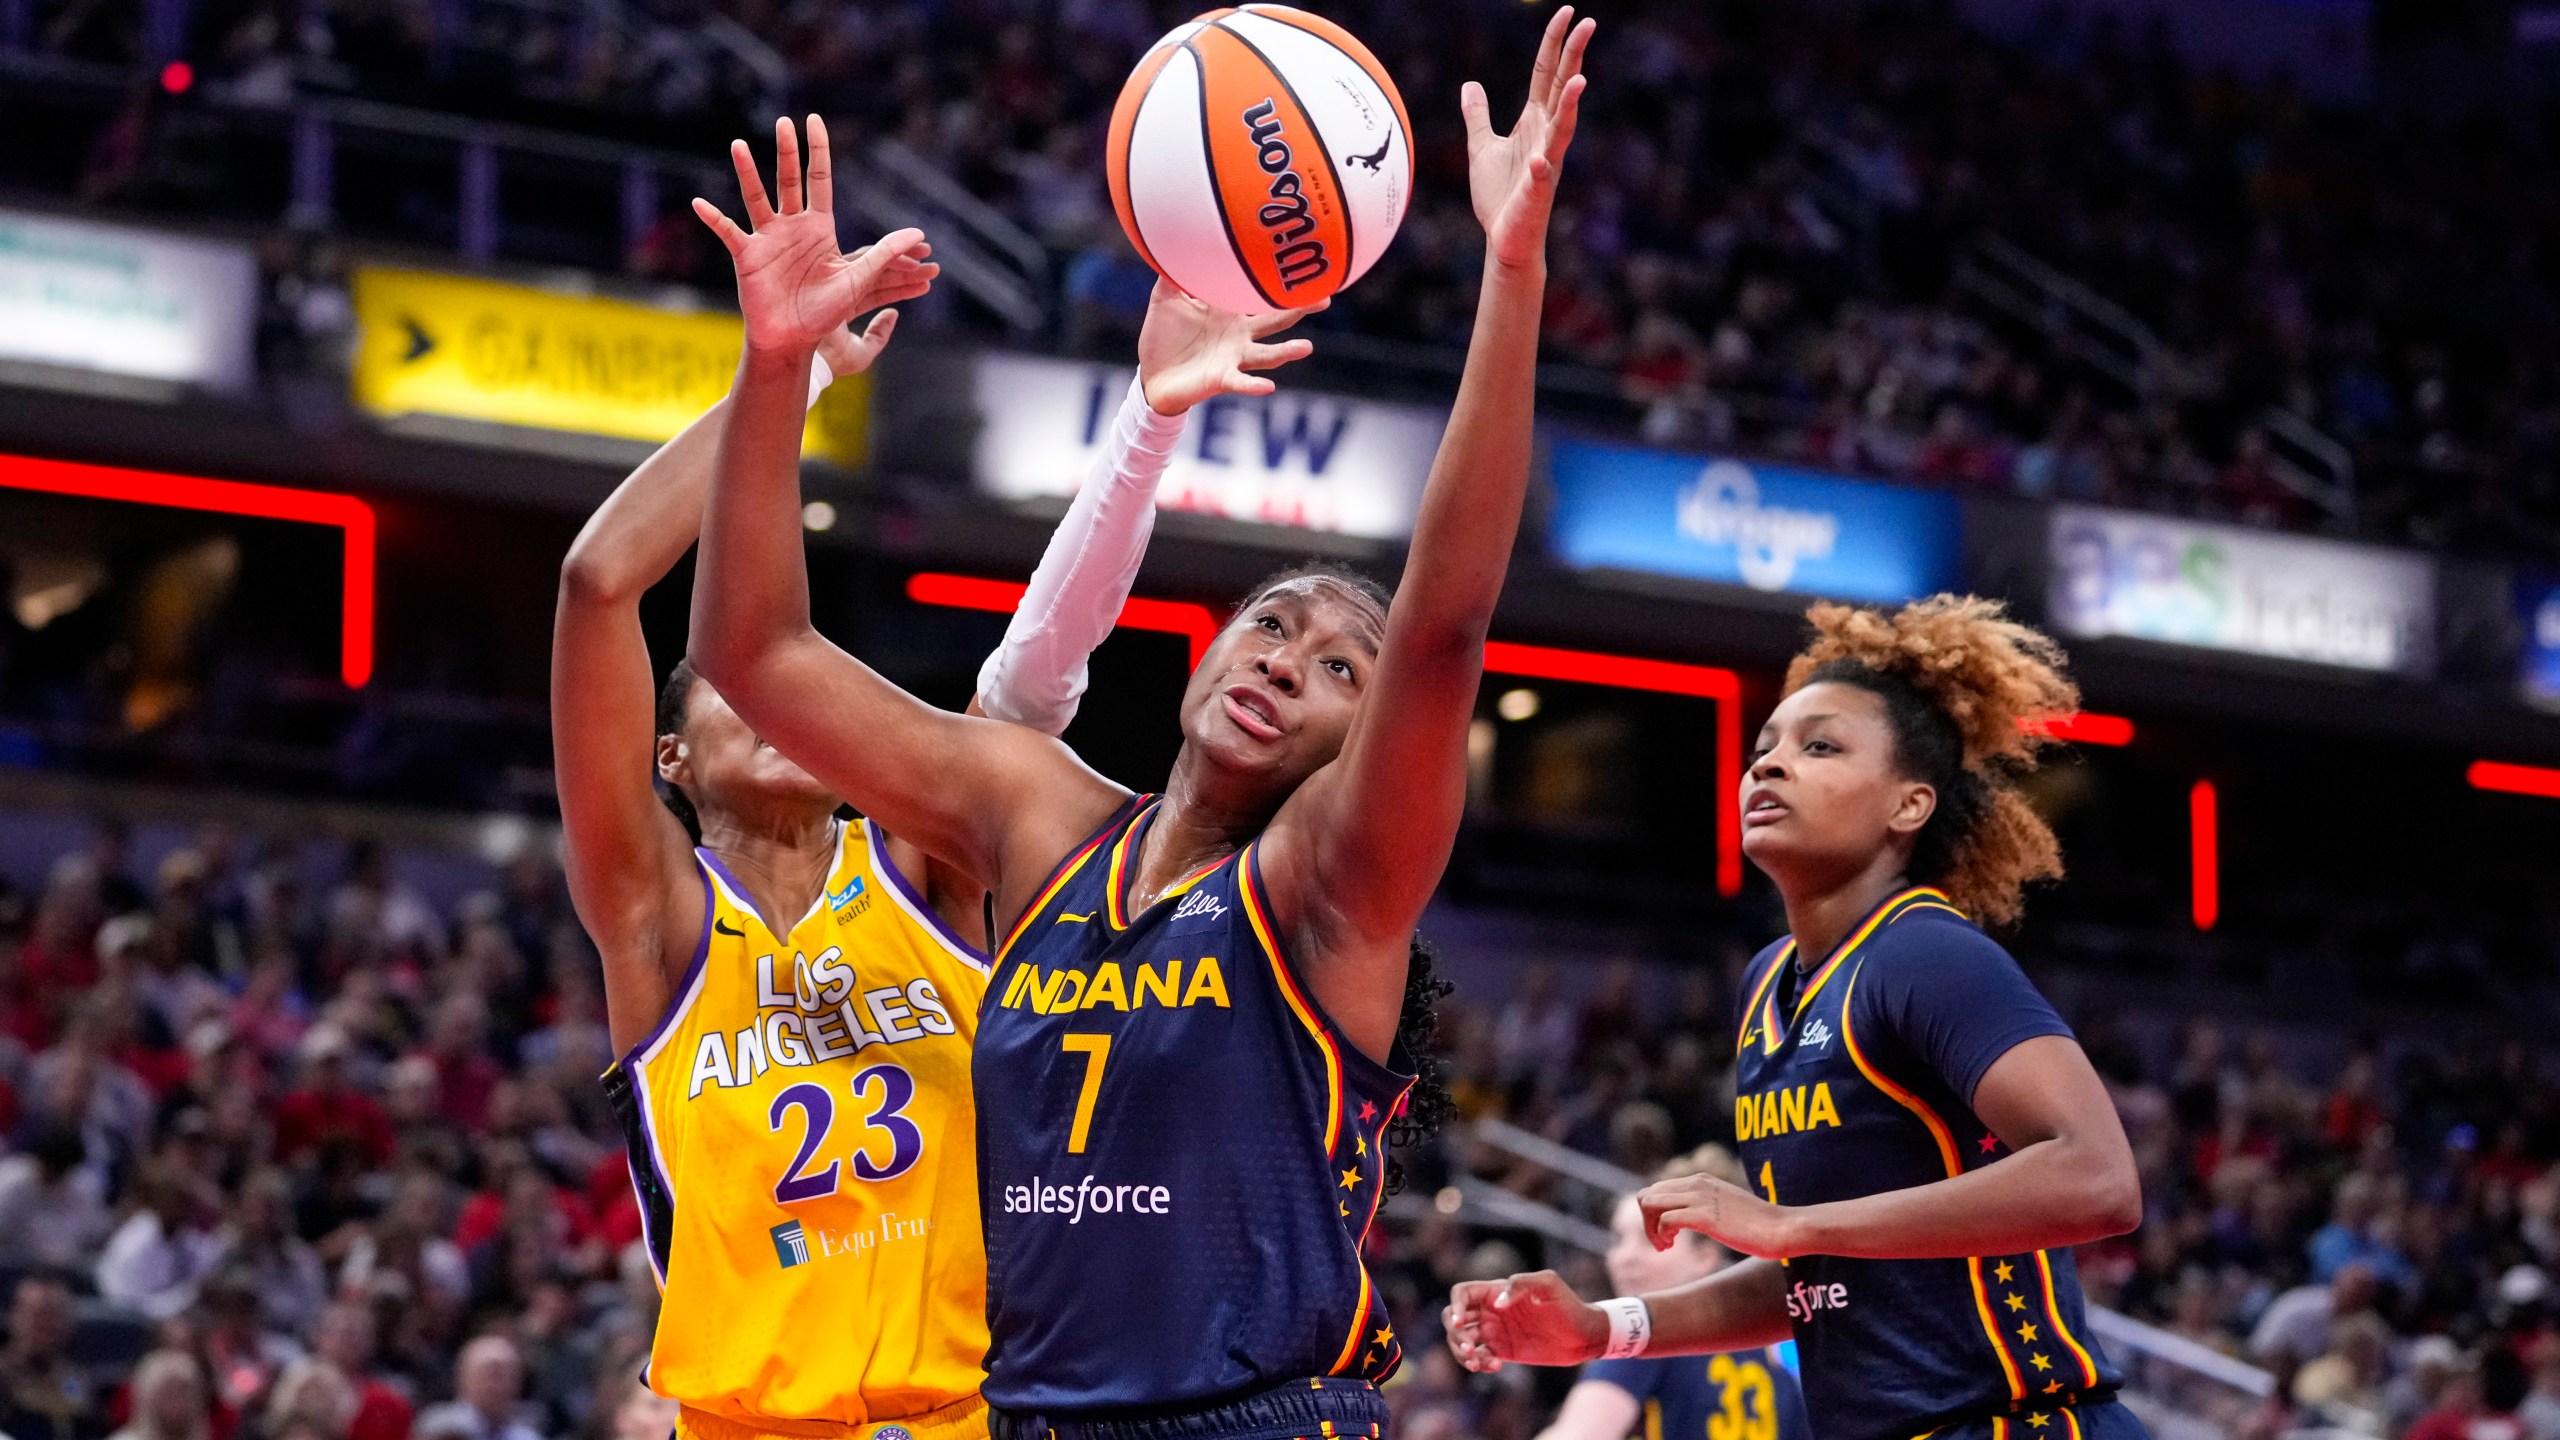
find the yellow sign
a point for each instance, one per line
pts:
(430, 344)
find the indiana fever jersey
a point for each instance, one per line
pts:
(1858, 1078)
(1748, 1395)
(1179, 1155)
(806, 1156)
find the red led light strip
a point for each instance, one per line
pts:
(2204, 821)
(2083, 727)
(351, 516)
(1538, 662)
(2514, 779)
(1625, 672)
(966, 592)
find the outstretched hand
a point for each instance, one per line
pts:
(1189, 351)
(1512, 178)
(794, 287)
(1531, 1319)
(1727, 1214)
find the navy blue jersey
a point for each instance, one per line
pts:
(1857, 1078)
(1179, 1156)
(1745, 1396)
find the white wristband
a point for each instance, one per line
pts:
(1630, 1326)
(820, 377)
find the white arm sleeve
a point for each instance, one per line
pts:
(1037, 675)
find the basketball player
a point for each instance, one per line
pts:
(1749, 1396)
(1185, 1055)
(1926, 1137)
(797, 1093)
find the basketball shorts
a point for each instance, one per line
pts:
(2092, 1419)
(1330, 1409)
(959, 1420)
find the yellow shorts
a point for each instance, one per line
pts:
(959, 1420)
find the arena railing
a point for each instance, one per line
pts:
(2182, 1389)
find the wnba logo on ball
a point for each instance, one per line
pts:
(1285, 216)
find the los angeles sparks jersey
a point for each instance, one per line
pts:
(1748, 1395)
(1856, 1079)
(805, 1151)
(1180, 1156)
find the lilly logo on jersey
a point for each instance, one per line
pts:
(1783, 1111)
(1816, 1034)
(1199, 903)
(1059, 992)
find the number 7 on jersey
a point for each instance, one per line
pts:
(1096, 1050)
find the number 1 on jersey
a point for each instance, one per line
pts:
(1096, 1050)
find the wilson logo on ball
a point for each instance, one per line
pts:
(1222, 159)
(1285, 214)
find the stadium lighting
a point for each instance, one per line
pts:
(2083, 727)
(351, 516)
(2204, 822)
(1501, 657)
(2514, 779)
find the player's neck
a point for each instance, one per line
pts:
(781, 860)
(1195, 826)
(1821, 917)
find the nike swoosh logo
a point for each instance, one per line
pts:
(727, 929)
(1066, 919)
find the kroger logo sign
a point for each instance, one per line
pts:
(1769, 527)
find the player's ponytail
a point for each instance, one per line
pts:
(1962, 685)
(1428, 1105)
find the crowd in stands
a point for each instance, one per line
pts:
(302, 1155)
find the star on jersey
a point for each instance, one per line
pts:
(2014, 1302)
(1368, 1112)
(1990, 1143)
(2001, 1272)
(1351, 1179)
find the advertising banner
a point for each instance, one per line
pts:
(1308, 461)
(126, 302)
(1770, 527)
(473, 349)
(2538, 606)
(2219, 587)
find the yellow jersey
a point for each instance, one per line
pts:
(805, 1150)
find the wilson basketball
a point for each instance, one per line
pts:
(1260, 158)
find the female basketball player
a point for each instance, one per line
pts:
(1186, 1043)
(1750, 1396)
(1926, 1137)
(797, 1095)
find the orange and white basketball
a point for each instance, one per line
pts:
(1260, 158)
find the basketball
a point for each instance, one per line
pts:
(1260, 158)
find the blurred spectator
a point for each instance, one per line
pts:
(344, 1338)
(163, 1251)
(325, 1106)
(53, 1209)
(43, 1395)
(488, 1403)
(169, 1400)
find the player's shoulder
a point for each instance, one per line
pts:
(1932, 940)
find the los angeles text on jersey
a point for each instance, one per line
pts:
(820, 1018)
(1086, 1197)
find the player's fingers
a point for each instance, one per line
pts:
(822, 175)
(1575, 43)
(721, 225)
(882, 326)
(1563, 118)
(1278, 320)
(1542, 77)
(786, 165)
(750, 184)
(1236, 382)
(1272, 357)
(1472, 109)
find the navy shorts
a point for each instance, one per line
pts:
(2091, 1419)
(1330, 1409)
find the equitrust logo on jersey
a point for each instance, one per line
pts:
(790, 1244)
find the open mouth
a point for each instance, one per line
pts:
(1763, 807)
(1253, 712)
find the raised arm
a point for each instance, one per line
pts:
(996, 801)
(629, 863)
(1341, 857)
(1187, 352)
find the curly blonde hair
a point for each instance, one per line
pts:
(1964, 687)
